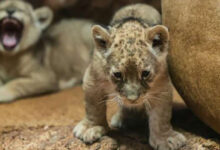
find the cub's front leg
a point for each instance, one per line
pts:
(94, 125)
(162, 136)
(34, 84)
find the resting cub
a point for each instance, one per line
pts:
(32, 62)
(129, 63)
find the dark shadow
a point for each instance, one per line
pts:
(186, 120)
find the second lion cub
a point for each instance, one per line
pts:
(35, 61)
(129, 62)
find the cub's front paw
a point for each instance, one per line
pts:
(173, 142)
(88, 132)
(6, 95)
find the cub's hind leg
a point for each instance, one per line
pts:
(66, 84)
(36, 83)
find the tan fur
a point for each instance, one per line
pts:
(124, 54)
(43, 62)
(151, 15)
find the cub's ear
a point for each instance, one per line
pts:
(44, 17)
(158, 37)
(101, 37)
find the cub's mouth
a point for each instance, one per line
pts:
(135, 103)
(10, 32)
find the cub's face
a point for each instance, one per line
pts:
(134, 55)
(21, 25)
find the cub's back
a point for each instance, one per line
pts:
(72, 31)
(139, 11)
(71, 47)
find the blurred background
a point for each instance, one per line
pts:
(100, 11)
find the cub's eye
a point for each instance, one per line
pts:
(145, 74)
(118, 75)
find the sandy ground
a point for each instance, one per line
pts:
(46, 123)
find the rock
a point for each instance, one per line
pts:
(46, 123)
(194, 59)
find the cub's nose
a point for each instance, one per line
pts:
(132, 95)
(10, 11)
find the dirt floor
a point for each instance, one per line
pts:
(46, 123)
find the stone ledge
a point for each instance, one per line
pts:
(46, 122)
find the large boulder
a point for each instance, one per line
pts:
(194, 58)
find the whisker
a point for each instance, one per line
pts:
(108, 99)
(101, 102)
(118, 99)
(111, 98)
(112, 94)
(147, 104)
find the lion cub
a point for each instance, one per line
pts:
(33, 62)
(129, 63)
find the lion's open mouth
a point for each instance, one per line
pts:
(10, 32)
